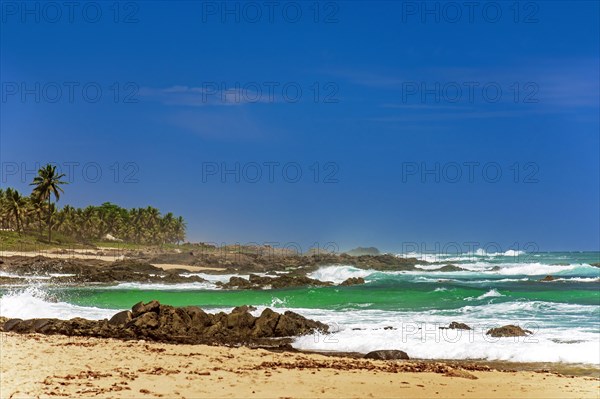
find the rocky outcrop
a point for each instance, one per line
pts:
(387, 355)
(364, 251)
(156, 322)
(450, 268)
(456, 326)
(548, 278)
(91, 271)
(508, 331)
(255, 282)
(353, 281)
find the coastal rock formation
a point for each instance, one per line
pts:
(91, 271)
(191, 325)
(353, 281)
(285, 281)
(387, 355)
(456, 326)
(548, 278)
(364, 251)
(508, 331)
(450, 268)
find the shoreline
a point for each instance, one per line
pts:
(84, 367)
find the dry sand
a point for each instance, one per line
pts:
(37, 365)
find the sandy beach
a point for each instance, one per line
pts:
(50, 366)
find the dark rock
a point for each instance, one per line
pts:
(256, 282)
(290, 324)
(11, 324)
(548, 278)
(156, 322)
(508, 331)
(457, 326)
(145, 321)
(387, 355)
(353, 281)
(265, 325)
(120, 318)
(141, 307)
(450, 268)
(364, 251)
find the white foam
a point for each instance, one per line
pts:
(161, 287)
(35, 303)
(337, 274)
(490, 294)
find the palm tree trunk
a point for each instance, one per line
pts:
(49, 216)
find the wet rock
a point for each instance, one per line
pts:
(449, 268)
(387, 355)
(457, 326)
(120, 318)
(144, 321)
(153, 321)
(265, 325)
(290, 324)
(353, 281)
(548, 278)
(256, 282)
(508, 331)
(142, 307)
(10, 324)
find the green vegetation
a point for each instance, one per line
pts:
(23, 217)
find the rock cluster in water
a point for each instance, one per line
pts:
(191, 325)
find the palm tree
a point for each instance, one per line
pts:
(16, 204)
(46, 183)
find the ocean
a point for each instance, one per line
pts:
(392, 310)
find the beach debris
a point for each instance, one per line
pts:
(387, 355)
(508, 331)
(452, 372)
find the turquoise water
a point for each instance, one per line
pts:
(491, 290)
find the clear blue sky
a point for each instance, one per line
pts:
(389, 90)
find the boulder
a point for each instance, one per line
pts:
(508, 331)
(353, 281)
(121, 318)
(387, 355)
(290, 324)
(265, 324)
(548, 278)
(142, 307)
(147, 320)
(457, 326)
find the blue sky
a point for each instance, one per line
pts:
(382, 123)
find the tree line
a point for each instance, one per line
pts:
(37, 213)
